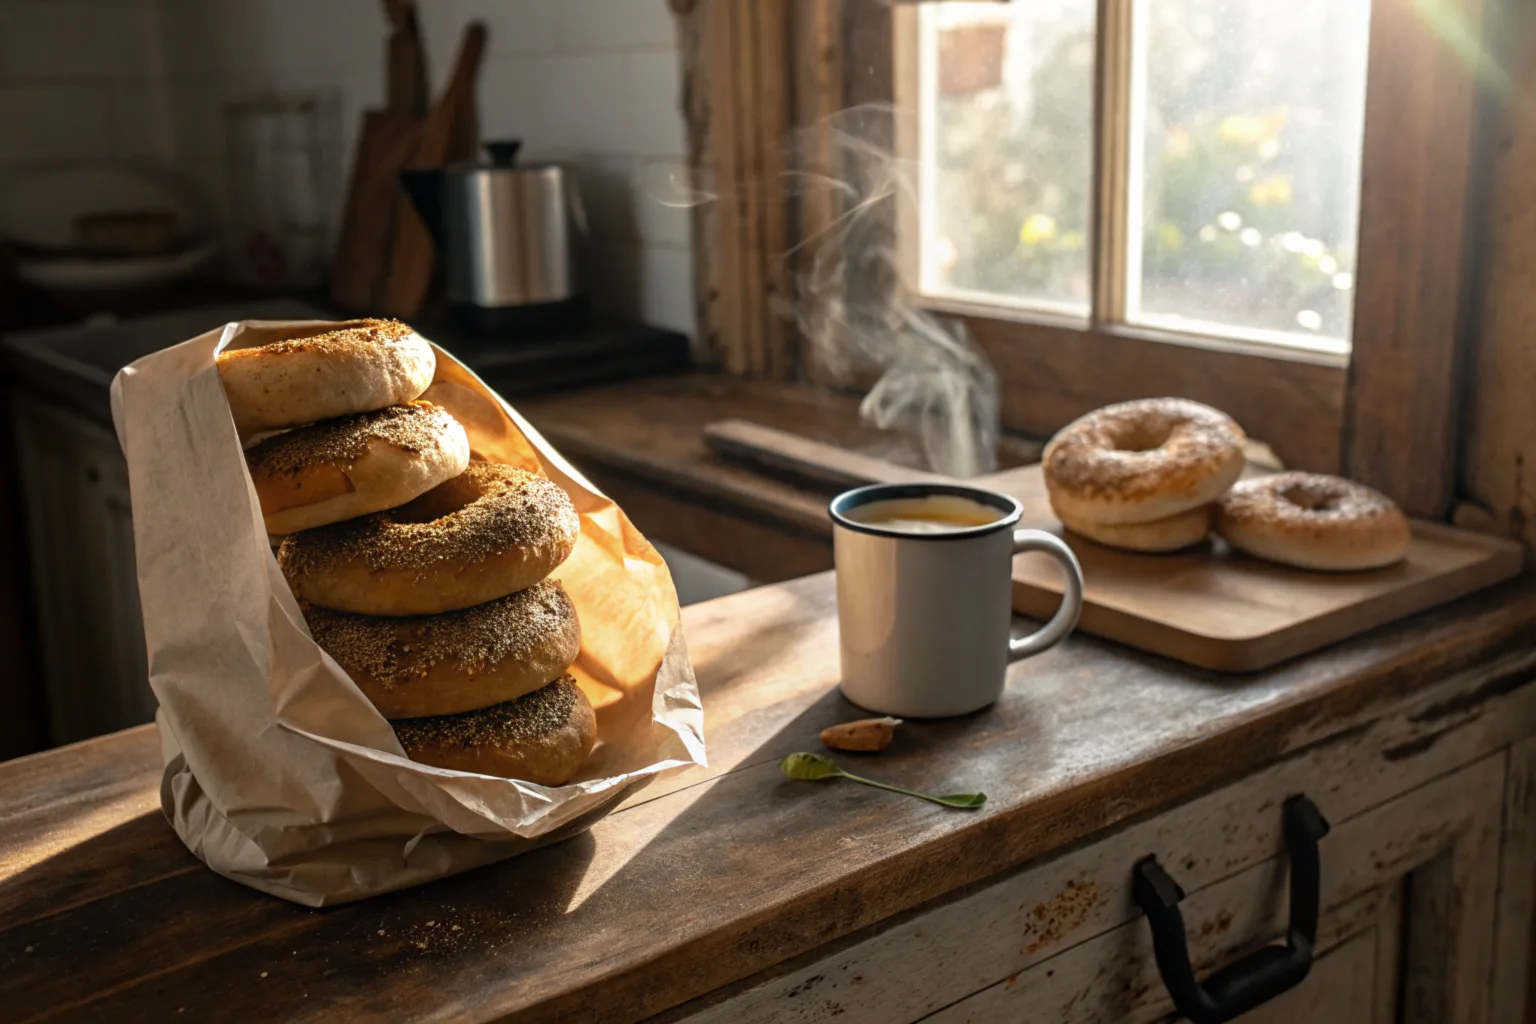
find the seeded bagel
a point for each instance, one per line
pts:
(1173, 533)
(458, 661)
(491, 531)
(1314, 521)
(344, 468)
(339, 369)
(1140, 461)
(543, 737)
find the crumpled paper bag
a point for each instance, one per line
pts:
(279, 773)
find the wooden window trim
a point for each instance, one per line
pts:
(1389, 419)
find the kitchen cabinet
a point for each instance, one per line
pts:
(79, 526)
(1423, 902)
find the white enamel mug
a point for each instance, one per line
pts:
(924, 617)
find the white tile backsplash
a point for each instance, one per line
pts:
(77, 40)
(666, 288)
(607, 193)
(508, 97)
(140, 120)
(623, 25)
(45, 123)
(662, 197)
(584, 103)
(515, 27)
(655, 123)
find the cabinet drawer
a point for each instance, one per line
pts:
(1112, 978)
(1061, 940)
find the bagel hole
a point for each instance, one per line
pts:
(1309, 499)
(445, 499)
(1142, 437)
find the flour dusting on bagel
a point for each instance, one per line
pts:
(1141, 462)
(1158, 474)
(1314, 521)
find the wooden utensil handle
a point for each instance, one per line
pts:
(406, 84)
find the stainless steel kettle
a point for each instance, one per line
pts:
(507, 235)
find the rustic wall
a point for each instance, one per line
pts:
(1499, 454)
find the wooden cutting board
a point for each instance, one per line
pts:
(1221, 609)
(1210, 606)
(385, 141)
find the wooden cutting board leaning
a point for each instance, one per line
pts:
(1210, 606)
(384, 256)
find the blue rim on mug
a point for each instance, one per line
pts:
(1011, 510)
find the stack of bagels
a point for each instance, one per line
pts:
(1160, 474)
(422, 570)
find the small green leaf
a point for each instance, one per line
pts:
(809, 767)
(815, 767)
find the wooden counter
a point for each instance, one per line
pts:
(713, 875)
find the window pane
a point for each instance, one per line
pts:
(1247, 118)
(1006, 151)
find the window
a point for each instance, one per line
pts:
(1265, 205)
(1202, 182)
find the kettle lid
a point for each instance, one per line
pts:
(504, 151)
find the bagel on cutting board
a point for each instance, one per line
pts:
(1141, 475)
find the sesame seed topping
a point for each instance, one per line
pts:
(411, 427)
(515, 721)
(394, 651)
(487, 510)
(351, 335)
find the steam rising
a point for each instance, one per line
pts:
(933, 381)
(668, 185)
(930, 379)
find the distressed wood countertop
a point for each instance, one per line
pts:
(708, 876)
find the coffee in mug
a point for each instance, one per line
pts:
(925, 596)
(933, 513)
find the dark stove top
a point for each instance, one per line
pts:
(74, 365)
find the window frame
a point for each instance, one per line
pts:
(1390, 418)
(1319, 411)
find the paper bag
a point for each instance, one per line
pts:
(278, 771)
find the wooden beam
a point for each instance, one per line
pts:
(818, 89)
(1405, 375)
(738, 72)
(1499, 453)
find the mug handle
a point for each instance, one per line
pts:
(1056, 630)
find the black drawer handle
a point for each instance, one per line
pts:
(1258, 977)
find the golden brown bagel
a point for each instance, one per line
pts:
(1314, 521)
(338, 370)
(1175, 533)
(349, 467)
(455, 662)
(542, 737)
(1141, 461)
(489, 532)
